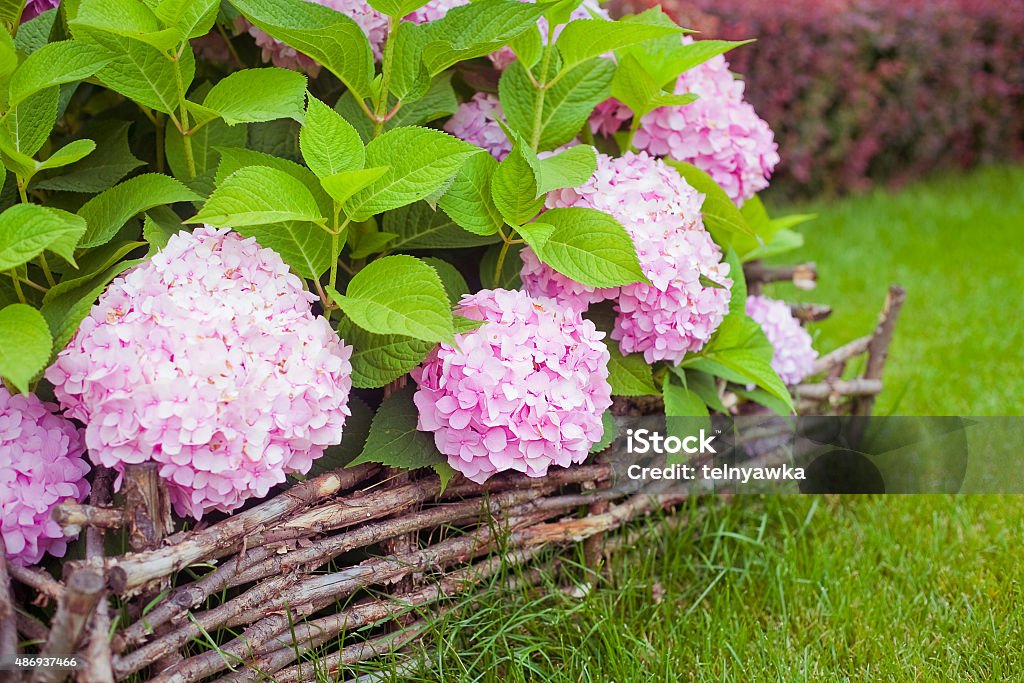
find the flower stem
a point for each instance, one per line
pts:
(380, 114)
(46, 270)
(17, 287)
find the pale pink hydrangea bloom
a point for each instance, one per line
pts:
(719, 133)
(209, 361)
(523, 392)
(41, 466)
(588, 9)
(676, 313)
(33, 8)
(373, 23)
(609, 116)
(476, 122)
(794, 355)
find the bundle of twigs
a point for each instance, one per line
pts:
(351, 550)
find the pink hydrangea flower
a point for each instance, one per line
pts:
(676, 313)
(523, 392)
(41, 466)
(209, 361)
(589, 9)
(476, 121)
(373, 23)
(794, 355)
(609, 116)
(33, 8)
(719, 133)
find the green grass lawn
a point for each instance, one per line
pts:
(790, 588)
(955, 244)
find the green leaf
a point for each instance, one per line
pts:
(721, 217)
(10, 14)
(27, 127)
(515, 187)
(536, 235)
(396, 8)
(570, 168)
(629, 375)
(419, 226)
(468, 200)
(329, 143)
(436, 103)
(256, 95)
(160, 224)
(233, 159)
(63, 62)
(111, 161)
(454, 284)
(781, 242)
(741, 353)
(124, 18)
(420, 160)
(105, 213)
(409, 76)
(342, 185)
(34, 33)
(582, 40)
(191, 18)
(304, 246)
(528, 47)
(258, 195)
(394, 439)
(762, 397)
(357, 428)
(681, 402)
(399, 295)
(378, 359)
(327, 36)
(611, 432)
(591, 247)
(206, 143)
(635, 87)
(567, 104)
(143, 73)
(704, 386)
(68, 154)
(475, 30)
(26, 230)
(25, 345)
(369, 243)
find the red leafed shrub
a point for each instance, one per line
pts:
(862, 91)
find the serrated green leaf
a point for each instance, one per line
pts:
(611, 432)
(420, 161)
(26, 230)
(54, 64)
(409, 76)
(258, 195)
(124, 18)
(536, 235)
(635, 87)
(329, 143)
(436, 103)
(591, 247)
(475, 30)
(454, 284)
(190, 18)
(468, 199)
(396, 8)
(235, 158)
(105, 213)
(304, 246)
(25, 344)
(762, 397)
(371, 243)
(68, 154)
(256, 95)
(26, 127)
(111, 161)
(418, 226)
(704, 386)
(325, 35)
(35, 32)
(629, 375)
(528, 47)
(158, 227)
(721, 217)
(681, 402)
(395, 441)
(515, 186)
(570, 168)
(379, 359)
(341, 186)
(141, 72)
(398, 295)
(583, 39)
(567, 104)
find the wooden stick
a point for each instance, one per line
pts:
(38, 579)
(73, 516)
(147, 507)
(878, 348)
(8, 628)
(31, 628)
(131, 572)
(803, 275)
(810, 313)
(98, 657)
(841, 355)
(84, 589)
(836, 388)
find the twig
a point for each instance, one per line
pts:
(83, 591)
(31, 628)
(38, 579)
(852, 387)
(8, 629)
(98, 668)
(73, 516)
(810, 313)
(146, 506)
(841, 355)
(804, 275)
(878, 348)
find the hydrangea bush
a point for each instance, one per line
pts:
(245, 239)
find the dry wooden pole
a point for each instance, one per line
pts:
(147, 508)
(803, 275)
(878, 348)
(73, 516)
(131, 572)
(38, 579)
(98, 662)
(83, 590)
(8, 627)
(841, 355)
(825, 390)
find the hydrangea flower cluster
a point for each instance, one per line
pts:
(41, 466)
(373, 23)
(208, 360)
(476, 122)
(525, 391)
(794, 355)
(719, 133)
(676, 313)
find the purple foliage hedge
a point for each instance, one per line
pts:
(863, 91)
